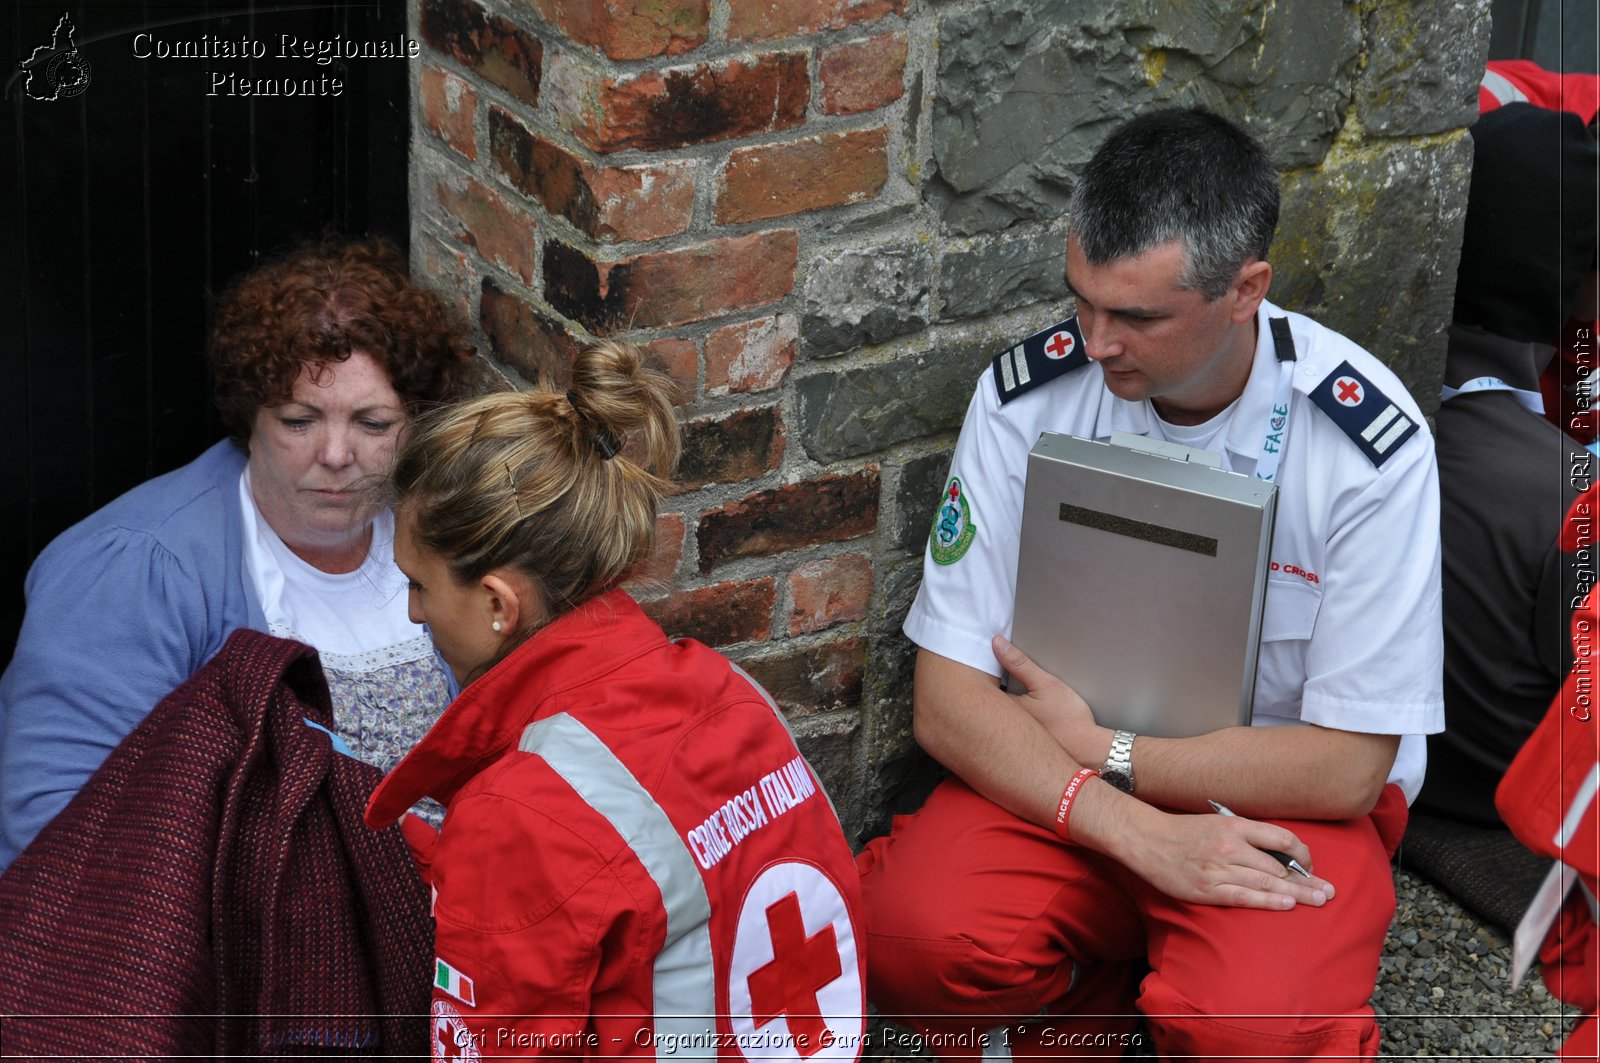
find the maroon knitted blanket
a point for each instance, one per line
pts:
(213, 892)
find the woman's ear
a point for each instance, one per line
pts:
(513, 601)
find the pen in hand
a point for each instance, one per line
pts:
(1283, 858)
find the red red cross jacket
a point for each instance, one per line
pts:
(1521, 81)
(635, 861)
(1548, 797)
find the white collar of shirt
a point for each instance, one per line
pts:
(1243, 436)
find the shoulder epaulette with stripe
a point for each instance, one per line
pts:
(1039, 359)
(1365, 414)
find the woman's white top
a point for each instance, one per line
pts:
(387, 684)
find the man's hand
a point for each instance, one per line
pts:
(1295, 772)
(1204, 859)
(1056, 706)
(995, 743)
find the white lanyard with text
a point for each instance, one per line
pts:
(1278, 416)
(1530, 400)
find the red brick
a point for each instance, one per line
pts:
(824, 510)
(679, 359)
(772, 180)
(446, 272)
(532, 343)
(684, 106)
(541, 348)
(750, 357)
(824, 678)
(451, 276)
(671, 287)
(501, 233)
(720, 614)
(494, 48)
(618, 203)
(656, 574)
(862, 75)
(448, 106)
(632, 29)
(642, 202)
(829, 592)
(738, 446)
(765, 20)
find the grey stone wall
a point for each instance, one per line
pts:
(1361, 105)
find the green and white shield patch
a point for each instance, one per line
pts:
(953, 528)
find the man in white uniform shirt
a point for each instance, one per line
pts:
(1070, 870)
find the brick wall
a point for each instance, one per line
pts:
(822, 217)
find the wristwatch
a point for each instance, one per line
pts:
(1118, 768)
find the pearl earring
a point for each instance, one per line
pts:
(496, 626)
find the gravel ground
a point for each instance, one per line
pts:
(1444, 989)
(1444, 986)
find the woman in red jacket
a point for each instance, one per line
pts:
(635, 859)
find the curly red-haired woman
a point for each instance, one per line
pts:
(320, 359)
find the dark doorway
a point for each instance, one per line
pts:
(1559, 35)
(132, 199)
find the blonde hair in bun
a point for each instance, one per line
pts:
(560, 486)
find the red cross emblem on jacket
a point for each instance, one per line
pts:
(788, 985)
(795, 959)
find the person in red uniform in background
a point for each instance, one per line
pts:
(1567, 386)
(1548, 799)
(635, 859)
(1521, 81)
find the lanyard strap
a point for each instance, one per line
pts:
(1529, 400)
(1278, 417)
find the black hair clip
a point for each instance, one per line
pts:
(607, 444)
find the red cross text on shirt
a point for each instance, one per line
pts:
(800, 966)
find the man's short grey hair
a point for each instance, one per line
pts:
(1176, 174)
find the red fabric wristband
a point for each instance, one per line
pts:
(1069, 795)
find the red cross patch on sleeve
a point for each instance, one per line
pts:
(1372, 421)
(1039, 359)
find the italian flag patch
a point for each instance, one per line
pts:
(452, 981)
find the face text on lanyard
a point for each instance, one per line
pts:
(1532, 401)
(1278, 416)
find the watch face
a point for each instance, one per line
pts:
(1118, 779)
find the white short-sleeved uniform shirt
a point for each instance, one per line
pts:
(1352, 636)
